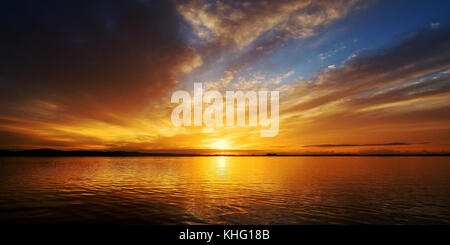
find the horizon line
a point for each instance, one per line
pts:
(47, 152)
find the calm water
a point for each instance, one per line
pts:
(226, 190)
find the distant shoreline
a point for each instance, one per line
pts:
(86, 153)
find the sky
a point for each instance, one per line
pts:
(353, 76)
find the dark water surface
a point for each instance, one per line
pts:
(225, 190)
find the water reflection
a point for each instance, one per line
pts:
(221, 165)
(226, 190)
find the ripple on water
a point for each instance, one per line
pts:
(232, 190)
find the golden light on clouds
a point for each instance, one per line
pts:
(109, 87)
(220, 144)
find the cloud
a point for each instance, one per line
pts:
(331, 53)
(435, 25)
(398, 94)
(358, 145)
(244, 22)
(424, 53)
(97, 75)
(89, 59)
(243, 32)
(426, 88)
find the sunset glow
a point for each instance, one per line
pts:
(225, 121)
(348, 82)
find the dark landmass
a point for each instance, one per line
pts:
(87, 153)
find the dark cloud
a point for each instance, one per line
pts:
(358, 145)
(427, 88)
(91, 59)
